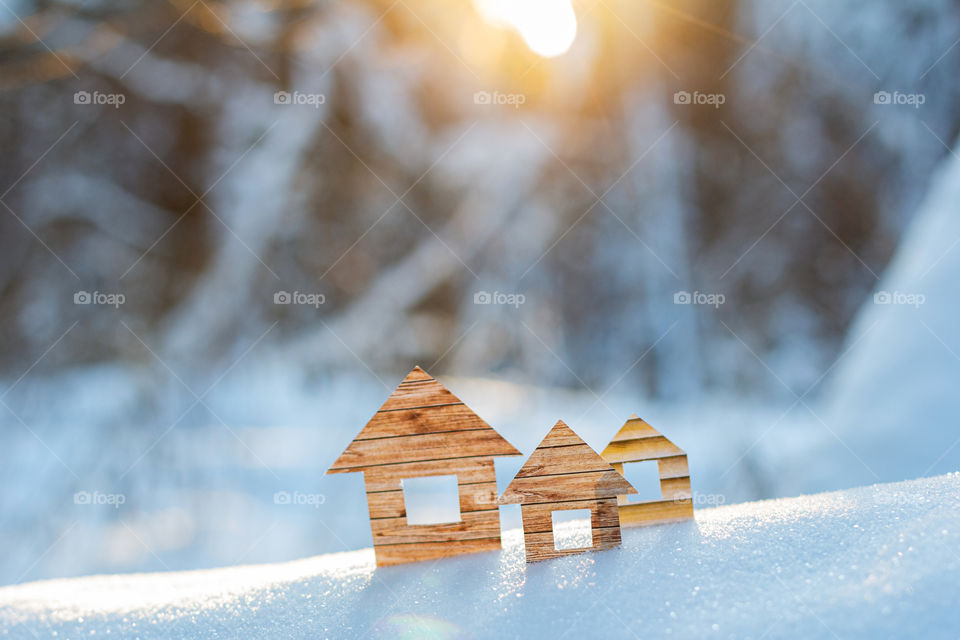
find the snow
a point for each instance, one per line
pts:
(877, 561)
(900, 372)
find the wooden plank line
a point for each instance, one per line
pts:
(656, 512)
(391, 544)
(642, 439)
(419, 393)
(560, 446)
(592, 529)
(410, 435)
(432, 525)
(425, 446)
(567, 473)
(426, 406)
(474, 525)
(636, 438)
(669, 477)
(459, 484)
(474, 469)
(660, 501)
(560, 501)
(390, 464)
(585, 484)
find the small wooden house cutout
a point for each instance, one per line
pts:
(564, 473)
(637, 441)
(424, 430)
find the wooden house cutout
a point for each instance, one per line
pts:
(637, 441)
(424, 430)
(564, 473)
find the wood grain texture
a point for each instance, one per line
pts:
(571, 456)
(657, 512)
(674, 467)
(573, 486)
(424, 430)
(471, 443)
(478, 524)
(538, 536)
(538, 518)
(473, 497)
(421, 421)
(405, 422)
(564, 467)
(675, 488)
(637, 441)
(392, 554)
(467, 470)
(565, 473)
(650, 448)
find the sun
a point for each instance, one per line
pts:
(547, 26)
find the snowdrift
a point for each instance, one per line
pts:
(878, 561)
(894, 401)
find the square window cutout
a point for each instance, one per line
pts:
(571, 529)
(645, 478)
(431, 500)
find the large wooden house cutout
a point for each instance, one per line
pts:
(424, 430)
(562, 474)
(637, 441)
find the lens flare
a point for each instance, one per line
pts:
(548, 27)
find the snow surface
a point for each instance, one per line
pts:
(900, 370)
(878, 561)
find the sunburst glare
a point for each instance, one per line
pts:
(548, 27)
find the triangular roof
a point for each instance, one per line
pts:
(564, 467)
(637, 441)
(420, 421)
